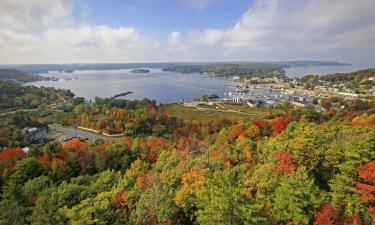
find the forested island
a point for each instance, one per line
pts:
(226, 70)
(289, 166)
(140, 71)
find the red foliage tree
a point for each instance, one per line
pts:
(325, 216)
(371, 211)
(354, 220)
(128, 141)
(181, 131)
(168, 223)
(9, 157)
(140, 181)
(285, 162)
(248, 154)
(236, 131)
(44, 160)
(279, 124)
(366, 189)
(264, 126)
(183, 143)
(76, 144)
(119, 200)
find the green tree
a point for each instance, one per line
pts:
(296, 198)
(225, 201)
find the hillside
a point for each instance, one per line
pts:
(345, 77)
(27, 97)
(297, 167)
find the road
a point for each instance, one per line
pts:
(69, 131)
(18, 110)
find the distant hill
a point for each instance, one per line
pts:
(184, 66)
(16, 96)
(344, 77)
(17, 76)
(286, 64)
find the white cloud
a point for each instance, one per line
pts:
(269, 30)
(174, 37)
(294, 29)
(75, 44)
(24, 14)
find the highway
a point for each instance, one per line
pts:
(69, 131)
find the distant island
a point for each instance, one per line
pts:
(140, 71)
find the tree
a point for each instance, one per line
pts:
(8, 159)
(154, 207)
(285, 163)
(327, 215)
(366, 188)
(95, 210)
(33, 187)
(225, 201)
(50, 200)
(279, 124)
(119, 157)
(193, 184)
(296, 198)
(27, 169)
(356, 151)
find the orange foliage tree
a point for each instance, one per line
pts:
(367, 188)
(285, 162)
(326, 215)
(236, 131)
(364, 120)
(76, 144)
(9, 157)
(279, 124)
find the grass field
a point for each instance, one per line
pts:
(211, 113)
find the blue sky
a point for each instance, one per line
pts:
(162, 16)
(120, 31)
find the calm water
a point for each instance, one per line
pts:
(164, 87)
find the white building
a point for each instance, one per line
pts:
(348, 95)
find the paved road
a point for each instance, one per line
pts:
(18, 110)
(78, 133)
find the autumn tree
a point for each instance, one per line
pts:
(225, 201)
(296, 198)
(327, 215)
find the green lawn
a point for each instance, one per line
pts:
(212, 114)
(245, 108)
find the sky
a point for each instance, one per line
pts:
(122, 31)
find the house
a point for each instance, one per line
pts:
(238, 99)
(253, 103)
(34, 134)
(26, 149)
(348, 95)
(268, 103)
(301, 101)
(268, 80)
(236, 78)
